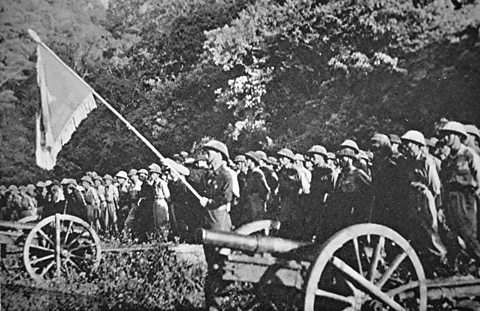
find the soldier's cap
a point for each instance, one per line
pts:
(122, 174)
(48, 183)
(394, 139)
(240, 158)
(346, 152)
(252, 156)
(299, 157)
(380, 140)
(432, 142)
(3, 188)
(22, 188)
(455, 128)
(142, 171)
(155, 168)
(30, 187)
(473, 130)
(87, 179)
(97, 177)
(64, 181)
(287, 153)
(348, 143)
(415, 137)
(262, 155)
(331, 156)
(108, 177)
(217, 146)
(272, 160)
(13, 188)
(317, 149)
(40, 184)
(132, 172)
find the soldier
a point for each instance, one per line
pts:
(123, 199)
(13, 209)
(460, 177)
(289, 188)
(395, 142)
(473, 140)
(111, 205)
(92, 201)
(134, 188)
(161, 216)
(267, 167)
(351, 199)
(323, 182)
(306, 174)
(29, 203)
(257, 190)
(41, 193)
(420, 184)
(98, 180)
(3, 201)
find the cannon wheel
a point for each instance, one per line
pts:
(265, 227)
(61, 244)
(366, 265)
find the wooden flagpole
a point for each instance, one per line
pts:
(37, 39)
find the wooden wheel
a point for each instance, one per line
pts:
(264, 227)
(366, 267)
(61, 244)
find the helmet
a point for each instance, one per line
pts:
(72, 181)
(261, 155)
(31, 187)
(13, 188)
(394, 139)
(350, 144)
(87, 179)
(48, 183)
(472, 129)
(380, 140)
(217, 146)
(132, 172)
(154, 168)
(347, 152)
(3, 187)
(432, 142)
(285, 152)
(108, 177)
(318, 150)
(122, 174)
(142, 171)
(253, 156)
(331, 155)
(64, 181)
(454, 127)
(272, 160)
(240, 158)
(299, 157)
(414, 136)
(97, 177)
(40, 184)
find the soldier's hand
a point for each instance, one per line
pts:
(203, 201)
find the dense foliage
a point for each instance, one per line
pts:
(258, 74)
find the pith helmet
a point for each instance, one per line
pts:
(13, 188)
(285, 152)
(87, 179)
(380, 140)
(318, 150)
(262, 155)
(252, 156)
(217, 146)
(108, 177)
(432, 142)
(240, 158)
(40, 184)
(348, 143)
(132, 172)
(142, 171)
(97, 177)
(414, 136)
(347, 152)
(299, 157)
(122, 174)
(394, 139)
(272, 160)
(454, 127)
(155, 168)
(472, 129)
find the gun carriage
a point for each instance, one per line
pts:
(362, 267)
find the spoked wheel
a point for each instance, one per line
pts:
(366, 267)
(265, 227)
(59, 245)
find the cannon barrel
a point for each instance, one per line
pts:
(246, 243)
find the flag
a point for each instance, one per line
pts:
(65, 101)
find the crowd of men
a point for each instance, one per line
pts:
(427, 189)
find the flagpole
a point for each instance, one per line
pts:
(37, 39)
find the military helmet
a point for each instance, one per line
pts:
(432, 142)
(97, 177)
(394, 139)
(217, 146)
(454, 127)
(348, 143)
(40, 184)
(3, 188)
(331, 156)
(380, 140)
(252, 155)
(31, 187)
(142, 171)
(122, 174)
(48, 182)
(347, 152)
(64, 181)
(318, 150)
(473, 130)
(299, 157)
(262, 155)
(72, 181)
(272, 160)
(87, 179)
(415, 137)
(285, 152)
(239, 158)
(13, 188)
(155, 168)
(108, 177)
(132, 172)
